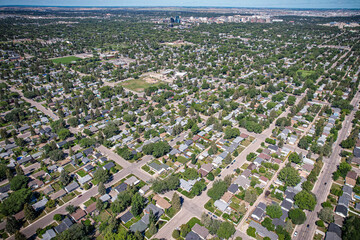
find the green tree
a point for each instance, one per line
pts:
(176, 234)
(19, 170)
(137, 204)
(65, 178)
(19, 236)
(250, 196)
(15, 202)
(18, 182)
(305, 200)
(56, 155)
(226, 230)
(64, 133)
(274, 211)
(297, 216)
(267, 223)
(73, 122)
(101, 175)
(152, 229)
(58, 217)
(251, 232)
(30, 213)
(326, 214)
(184, 230)
(294, 157)
(3, 170)
(70, 209)
(351, 228)
(12, 225)
(101, 188)
(218, 189)
(289, 176)
(176, 202)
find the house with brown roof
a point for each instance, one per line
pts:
(78, 215)
(200, 230)
(227, 197)
(48, 190)
(161, 202)
(20, 215)
(58, 194)
(36, 183)
(251, 167)
(350, 178)
(91, 208)
(264, 156)
(205, 169)
(263, 179)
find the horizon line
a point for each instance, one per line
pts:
(88, 6)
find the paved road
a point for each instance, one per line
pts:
(113, 156)
(190, 206)
(47, 219)
(46, 111)
(320, 189)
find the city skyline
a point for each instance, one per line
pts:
(303, 4)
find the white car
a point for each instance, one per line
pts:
(295, 234)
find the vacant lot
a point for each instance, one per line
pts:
(139, 85)
(65, 59)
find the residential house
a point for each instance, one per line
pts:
(84, 179)
(187, 185)
(262, 231)
(49, 234)
(341, 210)
(221, 205)
(71, 187)
(132, 181)
(350, 178)
(120, 188)
(259, 212)
(64, 225)
(201, 231)
(243, 182)
(78, 215)
(333, 232)
(205, 169)
(126, 217)
(161, 202)
(40, 204)
(192, 236)
(58, 194)
(108, 166)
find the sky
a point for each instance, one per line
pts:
(193, 3)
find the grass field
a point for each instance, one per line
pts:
(138, 85)
(305, 73)
(65, 59)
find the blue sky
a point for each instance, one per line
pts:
(189, 3)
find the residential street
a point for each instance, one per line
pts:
(324, 182)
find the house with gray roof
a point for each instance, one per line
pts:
(49, 234)
(120, 188)
(126, 217)
(221, 205)
(108, 166)
(84, 179)
(192, 236)
(333, 232)
(138, 226)
(64, 225)
(262, 231)
(71, 187)
(40, 204)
